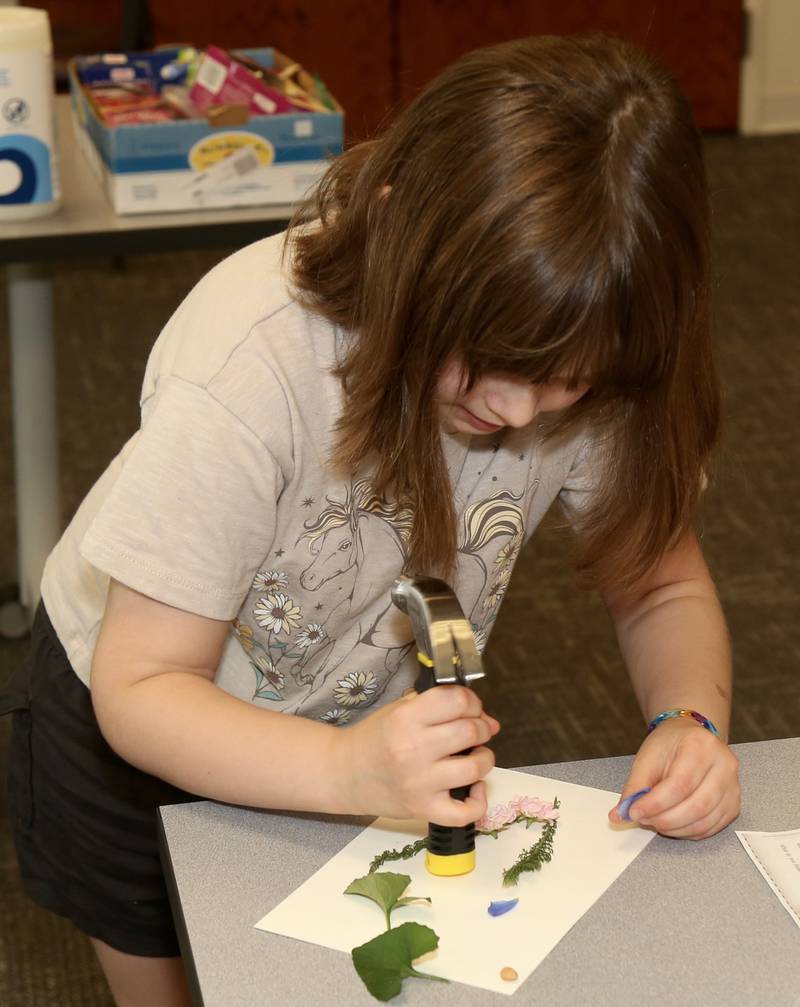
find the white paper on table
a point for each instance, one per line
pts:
(777, 857)
(588, 855)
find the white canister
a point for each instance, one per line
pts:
(29, 185)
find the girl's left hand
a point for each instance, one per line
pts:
(694, 781)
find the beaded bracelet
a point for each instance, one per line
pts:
(669, 714)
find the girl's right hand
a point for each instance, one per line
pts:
(402, 761)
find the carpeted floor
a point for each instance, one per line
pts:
(555, 679)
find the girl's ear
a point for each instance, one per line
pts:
(385, 190)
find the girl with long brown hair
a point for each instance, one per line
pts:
(499, 303)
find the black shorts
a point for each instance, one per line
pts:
(84, 820)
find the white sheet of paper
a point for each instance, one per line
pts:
(777, 857)
(589, 854)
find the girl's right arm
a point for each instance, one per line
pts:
(158, 708)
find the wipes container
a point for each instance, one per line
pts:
(29, 185)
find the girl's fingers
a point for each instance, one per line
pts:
(716, 796)
(494, 725)
(444, 740)
(630, 794)
(458, 771)
(710, 826)
(442, 709)
(725, 819)
(722, 815)
(446, 810)
(447, 719)
(685, 818)
(683, 781)
(448, 702)
(464, 770)
(694, 781)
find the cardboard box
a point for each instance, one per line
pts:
(188, 164)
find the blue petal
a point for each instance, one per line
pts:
(501, 907)
(624, 806)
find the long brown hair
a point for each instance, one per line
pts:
(540, 208)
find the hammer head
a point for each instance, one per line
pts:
(441, 629)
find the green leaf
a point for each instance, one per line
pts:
(385, 961)
(409, 899)
(384, 888)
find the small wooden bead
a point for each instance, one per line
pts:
(509, 974)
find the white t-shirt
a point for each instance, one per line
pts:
(222, 504)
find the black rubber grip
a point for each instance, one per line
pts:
(446, 840)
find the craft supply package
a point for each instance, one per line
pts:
(150, 159)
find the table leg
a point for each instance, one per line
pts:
(33, 396)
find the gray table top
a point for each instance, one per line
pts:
(86, 225)
(686, 924)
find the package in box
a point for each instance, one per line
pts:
(189, 164)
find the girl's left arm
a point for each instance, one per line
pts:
(674, 641)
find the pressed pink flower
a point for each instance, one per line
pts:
(497, 818)
(534, 807)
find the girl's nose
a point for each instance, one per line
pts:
(515, 403)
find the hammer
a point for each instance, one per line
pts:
(447, 655)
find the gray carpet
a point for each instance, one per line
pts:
(555, 678)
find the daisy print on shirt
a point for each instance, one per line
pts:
(321, 634)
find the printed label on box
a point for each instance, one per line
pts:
(217, 146)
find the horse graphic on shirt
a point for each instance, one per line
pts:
(345, 540)
(496, 517)
(359, 544)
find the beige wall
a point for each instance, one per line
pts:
(770, 95)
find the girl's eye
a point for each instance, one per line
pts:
(344, 546)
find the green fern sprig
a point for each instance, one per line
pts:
(536, 856)
(406, 853)
(531, 859)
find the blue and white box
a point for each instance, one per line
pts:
(188, 164)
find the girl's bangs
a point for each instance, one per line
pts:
(594, 339)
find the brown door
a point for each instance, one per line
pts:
(699, 40)
(376, 54)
